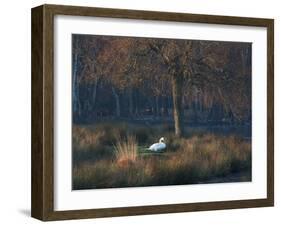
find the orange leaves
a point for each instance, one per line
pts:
(213, 72)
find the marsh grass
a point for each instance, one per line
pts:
(121, 161)
(126, 150)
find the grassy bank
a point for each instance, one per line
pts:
(115, 155)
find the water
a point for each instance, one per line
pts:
(244, 131)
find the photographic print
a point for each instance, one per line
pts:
(147, 112)
(158, 112)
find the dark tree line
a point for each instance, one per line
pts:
(148, 78)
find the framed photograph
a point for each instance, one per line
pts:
(141, 112)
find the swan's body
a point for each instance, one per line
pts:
(158, 146)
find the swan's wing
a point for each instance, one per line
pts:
(152, 147)
(161, 146)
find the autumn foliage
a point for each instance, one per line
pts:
(179, 80)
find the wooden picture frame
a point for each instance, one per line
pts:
(43, 112)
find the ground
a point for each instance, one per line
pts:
(114, 154)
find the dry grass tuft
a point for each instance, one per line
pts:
(126, 151)
(84, 138)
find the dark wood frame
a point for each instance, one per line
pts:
(42, 203)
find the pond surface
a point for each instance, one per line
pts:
(244, 131)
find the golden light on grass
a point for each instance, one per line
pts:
(126, 151)
(84, 138)
(204, 158)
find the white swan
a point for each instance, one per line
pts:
(158, 146)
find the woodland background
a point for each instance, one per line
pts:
(151, 80)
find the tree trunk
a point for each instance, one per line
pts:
(117, 102)
(157, 106)
(95, 93)
(131, 102)
(177, 91)
(75, 86)
(166, 106)
(244, 62)
(136, 103)
(161, 106)
(169, 105)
